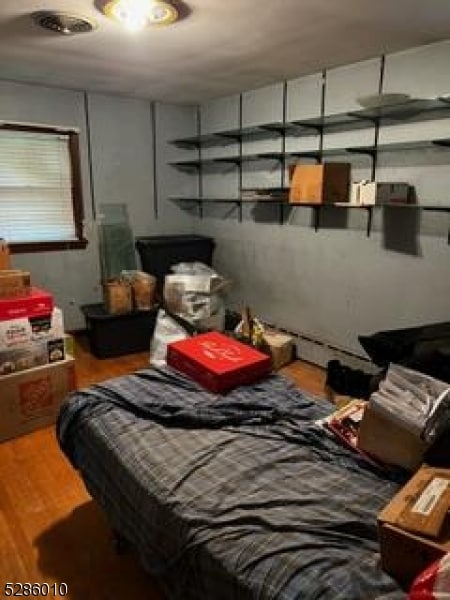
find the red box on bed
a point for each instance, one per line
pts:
(218, 362)
(36, 304)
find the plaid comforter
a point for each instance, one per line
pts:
(230, 497)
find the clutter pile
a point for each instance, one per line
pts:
(408, 412)
(194, 303)
(123, 323)
(196, 292)
(277, 344)
(36, 364)
(131, 290)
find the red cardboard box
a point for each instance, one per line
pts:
(36, 304)
(218, 362)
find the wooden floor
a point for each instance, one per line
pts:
(50, 529)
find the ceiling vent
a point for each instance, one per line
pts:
(63, 23)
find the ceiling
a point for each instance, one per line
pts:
(222, 47)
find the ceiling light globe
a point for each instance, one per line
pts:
(135, 15)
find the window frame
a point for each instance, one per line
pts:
(77, 196)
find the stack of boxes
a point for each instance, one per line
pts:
(36, 372)
(330, 183)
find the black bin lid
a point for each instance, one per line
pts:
(161, 240)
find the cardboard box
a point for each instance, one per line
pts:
(405, 554)
(15, 333)
(218, 362)
(389, 442)
(376, 192)
(37, 303)
(14, 283)
(318, 184)
(281, 347)
(4, 255)
(31, 355)
(31, 399)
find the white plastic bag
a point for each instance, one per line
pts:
(167, 330)
(195, 292)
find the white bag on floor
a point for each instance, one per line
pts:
(167, 330)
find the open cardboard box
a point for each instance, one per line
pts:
(31, 399)
(389, 442)
(405, 554)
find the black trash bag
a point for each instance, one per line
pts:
(350, 382)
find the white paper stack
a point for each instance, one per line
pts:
(418, 402)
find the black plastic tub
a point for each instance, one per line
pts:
(159, 253)
(116, 335)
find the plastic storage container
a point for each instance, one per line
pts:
(159, 253)
(116, 335)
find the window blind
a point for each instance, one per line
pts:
(36, 202)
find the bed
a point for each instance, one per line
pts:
(240, 496)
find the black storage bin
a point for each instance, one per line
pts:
(116, 335)
(159, 253)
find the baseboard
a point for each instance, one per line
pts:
(319, 352)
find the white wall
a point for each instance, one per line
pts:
(336, 283)
(122, 150)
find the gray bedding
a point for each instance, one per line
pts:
(240, 496)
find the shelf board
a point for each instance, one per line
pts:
(268, 199)
(437, 108)
(369, 150)
(188, 164)
(443, 142)
(196, 141)
(328, 124)
(425, 207)
(407, 112)
(204, 199)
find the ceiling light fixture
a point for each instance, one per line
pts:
(138, 14)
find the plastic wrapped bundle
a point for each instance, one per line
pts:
(418, 402)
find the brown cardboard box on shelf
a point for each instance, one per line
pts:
(379, 192)
(31, 399)
(318, 184)
(4, 255)
(405, 554)
(281, 347)
(14, 283)
(389, 442)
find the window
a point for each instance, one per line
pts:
(40, 192)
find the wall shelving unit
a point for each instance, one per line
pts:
(412, 111)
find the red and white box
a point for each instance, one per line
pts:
(16, 333)
(36, 304)
(217, 362)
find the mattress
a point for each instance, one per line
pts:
(236, 496)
